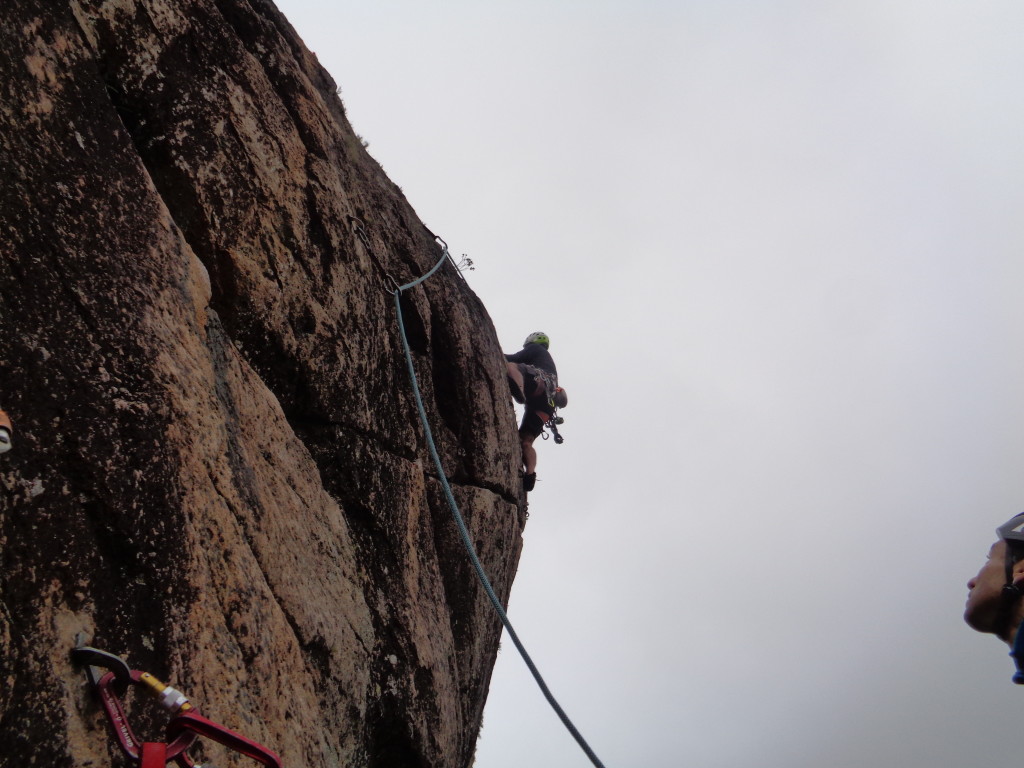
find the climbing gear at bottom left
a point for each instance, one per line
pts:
(184, 727)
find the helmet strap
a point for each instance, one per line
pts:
(1010, 596)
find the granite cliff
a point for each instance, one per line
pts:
(218, 471)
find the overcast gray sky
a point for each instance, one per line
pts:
(777, 247)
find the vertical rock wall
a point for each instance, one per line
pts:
(218, 470)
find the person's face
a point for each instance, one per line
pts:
(984, 594)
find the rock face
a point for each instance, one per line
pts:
(218, 471)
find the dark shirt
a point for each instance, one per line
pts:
(535, 355)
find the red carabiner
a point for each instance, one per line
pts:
(192, 724)
(130, 743)
(154, 755)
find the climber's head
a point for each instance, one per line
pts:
(537, 337)
(561, 399)
(994, 596)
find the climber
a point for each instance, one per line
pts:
(5, 432)
(994, 597)
(533, 380)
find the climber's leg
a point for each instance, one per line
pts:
(515, 382)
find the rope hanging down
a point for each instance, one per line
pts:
(464, 533)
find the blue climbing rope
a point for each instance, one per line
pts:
(417, 281)
(464, 533)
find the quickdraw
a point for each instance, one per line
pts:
(390, 284)
(184, 727)
(193, 724)
(552, 424)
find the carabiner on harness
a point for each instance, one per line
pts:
(552, 424)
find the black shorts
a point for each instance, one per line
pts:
(532, 424)
(536, 415)
(536, 404)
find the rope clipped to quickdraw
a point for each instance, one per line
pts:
(461, 524)
(110, 677)
(390, 284)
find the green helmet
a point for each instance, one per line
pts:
(537, 337)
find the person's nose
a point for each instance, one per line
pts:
(972, 582)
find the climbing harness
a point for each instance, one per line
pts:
(551, 390)
(461, 524)
(184, 727)
(5, 432)
(544, 377)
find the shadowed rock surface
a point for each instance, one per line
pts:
(218, 471)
